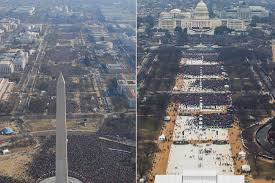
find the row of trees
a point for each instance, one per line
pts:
(181, 35)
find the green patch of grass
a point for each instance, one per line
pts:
(160, 84)
(236, 84)
(148, 127)
(120, 103)
(145, 156)
(265, 169)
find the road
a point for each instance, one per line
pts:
(261, 136)
(264, 77)
(26, 85)
(146, 67)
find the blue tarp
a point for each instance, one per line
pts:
(6, 131)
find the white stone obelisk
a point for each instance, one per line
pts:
(61, 133)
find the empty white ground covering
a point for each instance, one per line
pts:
(193, 130)
(188, 86)
(201, 156)
(168, 179)
(199, 177)
(201, 107)
(183, 107)
(230, 179)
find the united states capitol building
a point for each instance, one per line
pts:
(197, 21)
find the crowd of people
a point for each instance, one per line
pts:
(187, 99)
(215, 99)
(190, 128)
(9, 180)
(207, 99)
(213, 84)
(197, 70)
(216, 120)
(89, 159)
(202, 116)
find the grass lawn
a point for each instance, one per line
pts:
(266, 169)
(236, 84)
(120, 103)
(148, 127)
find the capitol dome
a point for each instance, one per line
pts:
(201, 6)
(201, 11)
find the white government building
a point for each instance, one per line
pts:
(5, 87)
(199, 176)
(197, 21)
(15, 60)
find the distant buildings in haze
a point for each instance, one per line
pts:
(14, 60)
(244, 12)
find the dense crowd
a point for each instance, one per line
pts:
(196, 70)
(9, 180)
(217, 120)
(89, 159)
(213, 84)
(215, 99)
(208, 99)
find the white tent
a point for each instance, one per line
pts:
(168, 179)
(167, 118)
(242, 155)
(142, 180)
(5, 151)
(162, 137)
(246, 168)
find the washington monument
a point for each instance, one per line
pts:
(61, 162)
(61, 133)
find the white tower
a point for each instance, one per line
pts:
(61, 133)
(61, 161)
